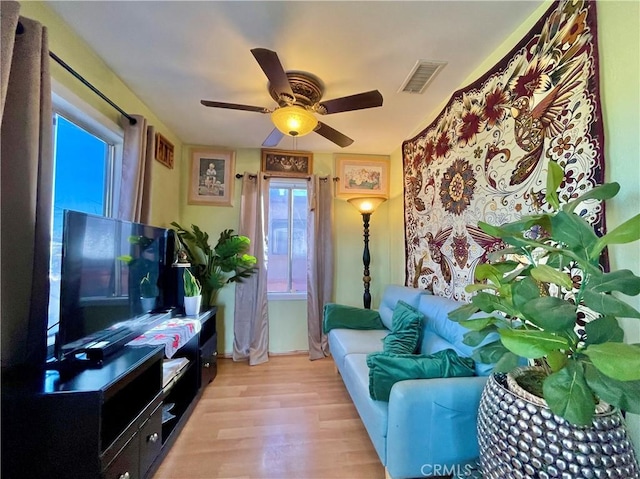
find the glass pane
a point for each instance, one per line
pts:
(299, 242)
(278, 271)
(79, 184)
(287, 270)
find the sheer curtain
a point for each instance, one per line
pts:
(134, 203)
(251, 317)
(320, 262)
(26, 188)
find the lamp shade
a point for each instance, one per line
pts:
(294, 120)
(367, 204)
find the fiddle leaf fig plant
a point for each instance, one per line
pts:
(215, 267)
(532, 297)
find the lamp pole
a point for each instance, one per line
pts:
(366, 206)
(366, 260)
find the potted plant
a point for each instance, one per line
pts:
(215, 267)
(148, 293)
(192, 293)
(530, 302)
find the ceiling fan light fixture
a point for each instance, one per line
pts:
(294, 120)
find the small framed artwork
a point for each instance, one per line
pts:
(164, 151)
(362, 175)
(287, 163)
(211, 181)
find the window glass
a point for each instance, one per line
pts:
(82, 165)
(287, 272)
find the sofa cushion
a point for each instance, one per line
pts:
(387, 369)
(405, 332)
(350, 341)
(349, 317)
(374, 414)
(390, 297)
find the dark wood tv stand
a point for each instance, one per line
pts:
(104, 422)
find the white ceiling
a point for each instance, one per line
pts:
(172, 54)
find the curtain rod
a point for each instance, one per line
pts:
(308, 178)
(131, 119)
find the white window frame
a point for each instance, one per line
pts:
(293, 183)
(68, 104)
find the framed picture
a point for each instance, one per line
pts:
(164, 151)
(287, 163)
(362, 175)
(211, 181)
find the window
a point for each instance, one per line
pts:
(287, 271)
(86, 155)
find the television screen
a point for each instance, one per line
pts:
(113, 273)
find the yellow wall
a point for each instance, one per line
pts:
(619, 33)
(76, 53)
(288, 319)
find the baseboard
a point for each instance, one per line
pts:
(299, 352)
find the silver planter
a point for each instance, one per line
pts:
(522, 440)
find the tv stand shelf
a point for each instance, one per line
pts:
(103, 422)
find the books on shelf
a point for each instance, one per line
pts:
(171, 369)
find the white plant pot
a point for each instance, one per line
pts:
(192, 305)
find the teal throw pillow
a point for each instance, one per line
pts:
(337, 316)
(405, 333)
(387, 369)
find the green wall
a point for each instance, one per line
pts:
(75, 52)
(288, 319)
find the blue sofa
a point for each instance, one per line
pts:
(428, 427)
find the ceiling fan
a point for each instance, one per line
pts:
(298, 95)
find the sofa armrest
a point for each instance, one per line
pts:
(432, 426)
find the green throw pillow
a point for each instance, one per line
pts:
(406, 325)
(387, 369)
(349, 317)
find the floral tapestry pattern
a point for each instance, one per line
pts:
(485, 156)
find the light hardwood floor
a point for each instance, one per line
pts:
(288, 418)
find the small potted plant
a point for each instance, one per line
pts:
(215, 267)
(148, 293)
(548, 300)
(192, 293)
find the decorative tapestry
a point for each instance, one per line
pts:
(485, 156)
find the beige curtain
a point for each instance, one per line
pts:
(26, 172)
(320, 262)
(134, 203)
(251, 317)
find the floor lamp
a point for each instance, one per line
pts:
(366, 206)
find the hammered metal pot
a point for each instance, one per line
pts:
(522, 440)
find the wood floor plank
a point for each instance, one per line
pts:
(290, 418)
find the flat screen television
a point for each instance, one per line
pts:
(114, 274)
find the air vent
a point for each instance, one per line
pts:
(421, 74)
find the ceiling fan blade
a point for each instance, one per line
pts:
(359, 101)
(271, 66)
(235, 106)
(333, 135)
(273, 139)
